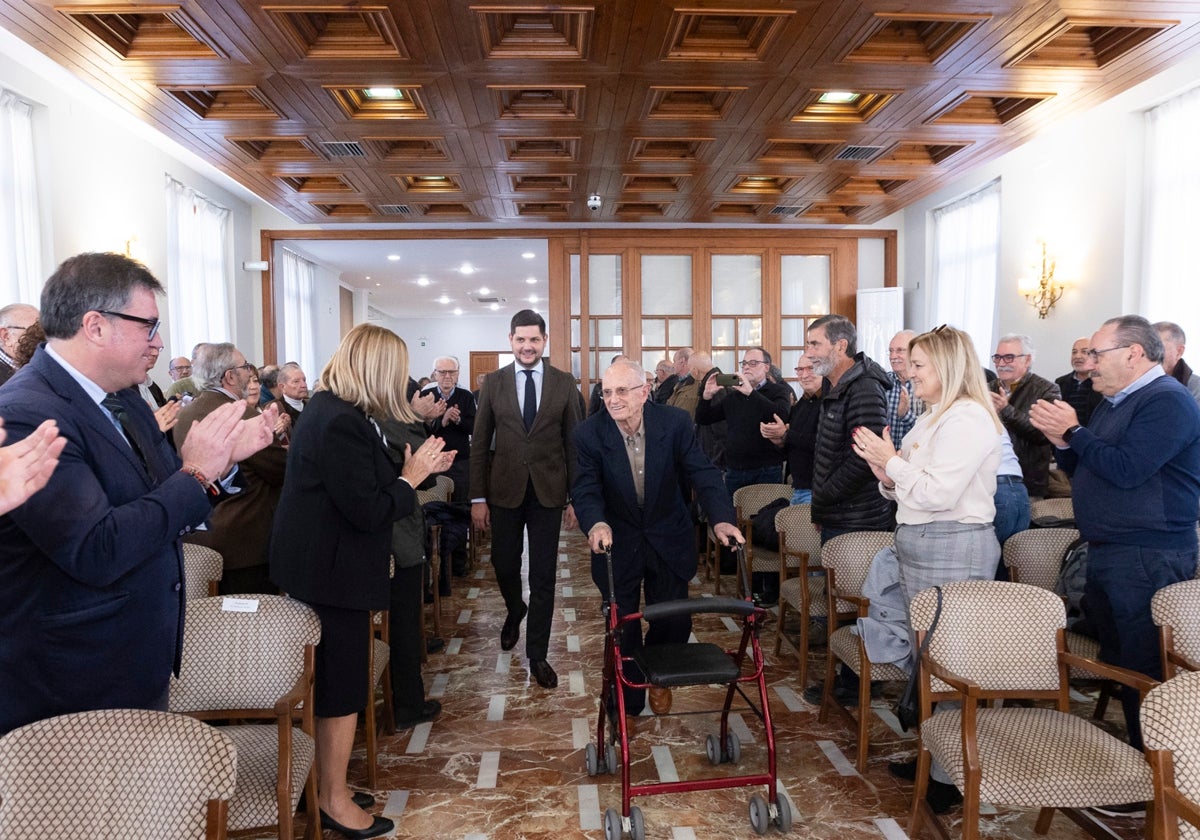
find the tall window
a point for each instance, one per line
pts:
(20, 209)
(1172, 202)
(298, 282)
(966, 252)
(198, 269)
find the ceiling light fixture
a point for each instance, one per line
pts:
(384, 93)
(533, 298)
(528, 255)
(531, 280)
(393, 257)
(457, 310)
(422, 281)
(838, 97)
(494, 307)
(443, 299)
(466, 268)
(484, 290)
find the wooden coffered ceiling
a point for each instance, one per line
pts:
(675, 112)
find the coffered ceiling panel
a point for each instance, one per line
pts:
(801, 112)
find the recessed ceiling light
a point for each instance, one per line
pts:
(368, 276)
(528, 255)
(466, 268)
(378, 284)
(484, 290)
(531, 280)
(837, 97)
(494, 307)
(422, 281)
(457, 310)
(384, 93)
(533, 298)
(443, 299)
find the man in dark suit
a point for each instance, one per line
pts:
(293, 391)
(240, 526)
(91, 573)
(456, 423)
(636, 463)
(522, 462)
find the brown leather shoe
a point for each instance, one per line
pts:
(660, 700)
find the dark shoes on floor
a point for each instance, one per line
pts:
(380, 825)
(433, 644)
(408, 718)
(511, 631)
(940, 796)
(543, 673)
(906, 770)
(845, 692)
(363, 799)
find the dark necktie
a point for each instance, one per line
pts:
(117, 408)
(529, 411)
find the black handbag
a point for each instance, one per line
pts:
(907, 708)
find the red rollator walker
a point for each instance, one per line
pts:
(674, 666)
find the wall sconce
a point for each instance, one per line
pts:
(1042, 292)
(134, 249)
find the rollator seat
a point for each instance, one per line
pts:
(677, 664)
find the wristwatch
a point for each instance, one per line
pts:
(1069, 433)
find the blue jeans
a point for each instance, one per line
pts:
(736, 479)
(801, 497)
(1121, 580)
(1012, 513)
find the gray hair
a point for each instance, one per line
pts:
(268, 375)
(90, 282)
(286, 371)
(211, 363)
(837, 328)
(1173, 331)
(12, 309)
(1025, 341)
(1134, 329)
(631, 366)
(447, 359)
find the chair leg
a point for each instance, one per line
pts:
(827, 689)
(802, 647)
(1045, 815)
(372, 744)
(783, 608)
(864, 713)
(1106, 693)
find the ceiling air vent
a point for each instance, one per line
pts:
(858, 153)
(788, 209)
(348, 148)
(395, 210)
(489, 300)
(374, 314)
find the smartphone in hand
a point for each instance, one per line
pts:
(728, 380)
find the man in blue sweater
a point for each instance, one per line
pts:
(1135, 484)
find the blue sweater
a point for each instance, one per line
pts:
(1136, 469)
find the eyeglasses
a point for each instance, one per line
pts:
(802, 370)
(11, 327)
(246, 366)
(751, 363)
(1008, 358)
(445, 372)
(182, 369)
(1094, 355)
(620, 393)
(152, 323)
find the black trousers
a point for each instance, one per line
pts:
(508, 531)
(404, 631)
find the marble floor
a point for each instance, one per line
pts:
(506, 758)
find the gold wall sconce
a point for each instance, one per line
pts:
(1043, 291)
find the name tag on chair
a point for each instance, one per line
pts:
(247, 605)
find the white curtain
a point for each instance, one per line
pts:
(966, 256)
(298, 281)
(197, 269)
(1170, 287)
(20, 210)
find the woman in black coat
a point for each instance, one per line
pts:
(332, 538)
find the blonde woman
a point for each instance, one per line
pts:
(332, 537)
(943, 481)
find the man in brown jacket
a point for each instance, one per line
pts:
(240, 525)
(522, 464)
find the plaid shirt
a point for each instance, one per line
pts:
(901, 424)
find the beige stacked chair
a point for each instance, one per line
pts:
(1058, 510)
(1176, 611)
(442, 491)
(242, 666)
(1026, 757)
(799, 590)
(748, 501)
(1171, 731)
(116, 774)
(380, 675)
(846, 559)
(203, 569)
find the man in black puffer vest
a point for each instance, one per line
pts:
(845, 493)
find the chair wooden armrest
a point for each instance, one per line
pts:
(1109, 672)
(969, 689)
(296, 695)
(1174, 657)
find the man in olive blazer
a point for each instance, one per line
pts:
(521, 470)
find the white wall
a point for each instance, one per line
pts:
(1077, 185)
(428, 338)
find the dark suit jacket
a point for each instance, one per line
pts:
(6, 372)
(603, 491)
(285, 408)
(504, 457)
(240, 525)
(457, 435)
(333, 528)
(91, 573)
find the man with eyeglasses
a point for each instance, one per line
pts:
(903, 407)
(184, 387)
(1014, 390)
(636, 462)
(179, 367)
(91, 571)
(1076, 386)
(14, 320)
(1135, 486)
(749, 457)
(240, 526)
(457, 422)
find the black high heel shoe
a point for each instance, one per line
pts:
(380, 825)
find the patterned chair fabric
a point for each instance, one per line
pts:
(441, 491)
(850, 556)
(239, 665)
(799, 589)
(1052, 510)
(1027, 757)
(116, 774)
(202, 569)
(1176, 611)
(1171, 731)
(748, 501)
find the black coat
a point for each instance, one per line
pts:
(845, 491)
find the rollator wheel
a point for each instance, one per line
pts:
(610, 759)
(592, 760)
(784, 820)
(733, 747)
(612, 825)
(760, 814)
(713, 747)
(637, 825)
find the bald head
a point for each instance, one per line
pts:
(699, 364)
(14, 320)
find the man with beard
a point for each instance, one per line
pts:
(1014, 390)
